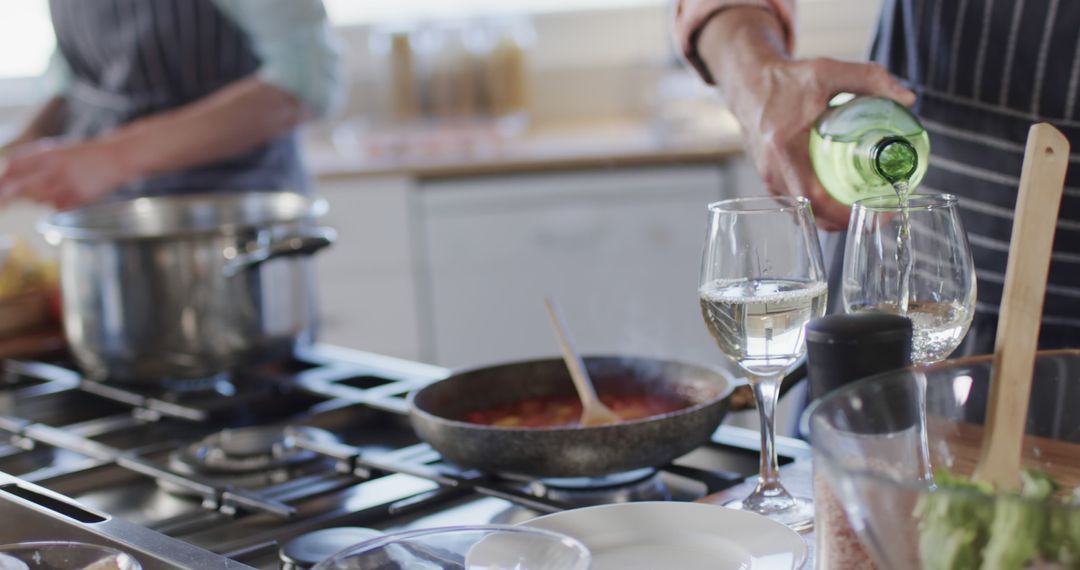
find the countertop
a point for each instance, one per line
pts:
(351, 150)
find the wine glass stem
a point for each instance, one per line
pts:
(766, 393)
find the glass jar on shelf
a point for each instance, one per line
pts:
(397, 94)
(506, 73)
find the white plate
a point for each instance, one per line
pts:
(687, 536)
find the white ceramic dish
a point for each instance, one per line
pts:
(687, 536)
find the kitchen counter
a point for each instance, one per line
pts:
(471, 151)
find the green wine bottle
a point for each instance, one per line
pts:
(866, 147)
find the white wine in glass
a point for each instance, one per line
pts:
(940, 294)
(761, 321)
(762, 280)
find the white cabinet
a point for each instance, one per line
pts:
(619, 249)
(366, 280)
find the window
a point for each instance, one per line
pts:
(26, 38)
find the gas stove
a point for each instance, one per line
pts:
(277, 466)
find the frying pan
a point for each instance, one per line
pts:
(437, 413)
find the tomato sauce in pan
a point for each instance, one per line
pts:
(565, 411)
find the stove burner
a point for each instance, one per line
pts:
(625, 487)
(637, 485)
(309, 549)
(251, 457)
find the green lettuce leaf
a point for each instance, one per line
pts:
(1021, 524)
(953, 527)
(972, 529)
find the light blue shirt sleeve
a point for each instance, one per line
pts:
(297, 46)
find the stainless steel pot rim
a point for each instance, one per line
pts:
(181, 215)
(731, 385)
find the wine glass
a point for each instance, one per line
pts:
(940, 296)
(762, 279)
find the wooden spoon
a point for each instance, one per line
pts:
(1041, 182)
(593, 411)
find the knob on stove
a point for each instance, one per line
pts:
(307, 550)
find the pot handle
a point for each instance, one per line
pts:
(305, 242)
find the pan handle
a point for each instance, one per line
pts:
(304, 242)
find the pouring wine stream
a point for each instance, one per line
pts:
(593, 411)
(1042, 180)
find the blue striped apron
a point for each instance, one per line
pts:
(984, 71)
(134, 58)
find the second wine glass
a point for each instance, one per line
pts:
(940, 293)
(762, 280)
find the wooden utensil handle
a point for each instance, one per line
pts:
(574, 363)
(1042, 179)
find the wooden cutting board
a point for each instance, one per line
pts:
(965, 441)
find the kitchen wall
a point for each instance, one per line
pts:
(584, 64)
(586, 67)
(619, 247)
(602, 63)
(417, 273)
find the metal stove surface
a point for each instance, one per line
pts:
(93, 462)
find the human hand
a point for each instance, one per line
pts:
(61, 174)
(776, 100)
(778, 115)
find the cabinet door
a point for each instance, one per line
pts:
(366, 286)
(620, 250)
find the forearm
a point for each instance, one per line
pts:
(239, 117)
(48, 121)
(736, 46)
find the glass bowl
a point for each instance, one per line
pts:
(485, 547)
(884, 448)
(64, 556)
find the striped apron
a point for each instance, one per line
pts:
(134, 58)
(984, 71)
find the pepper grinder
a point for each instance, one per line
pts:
(841, 349)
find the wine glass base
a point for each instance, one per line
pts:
(796, 513)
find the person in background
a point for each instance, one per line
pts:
(153, 97)
(978, 73)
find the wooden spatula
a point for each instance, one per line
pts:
(593, 411)
(1041, 182)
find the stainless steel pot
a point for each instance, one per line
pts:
(187, 287)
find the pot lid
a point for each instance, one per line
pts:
(187, 214)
